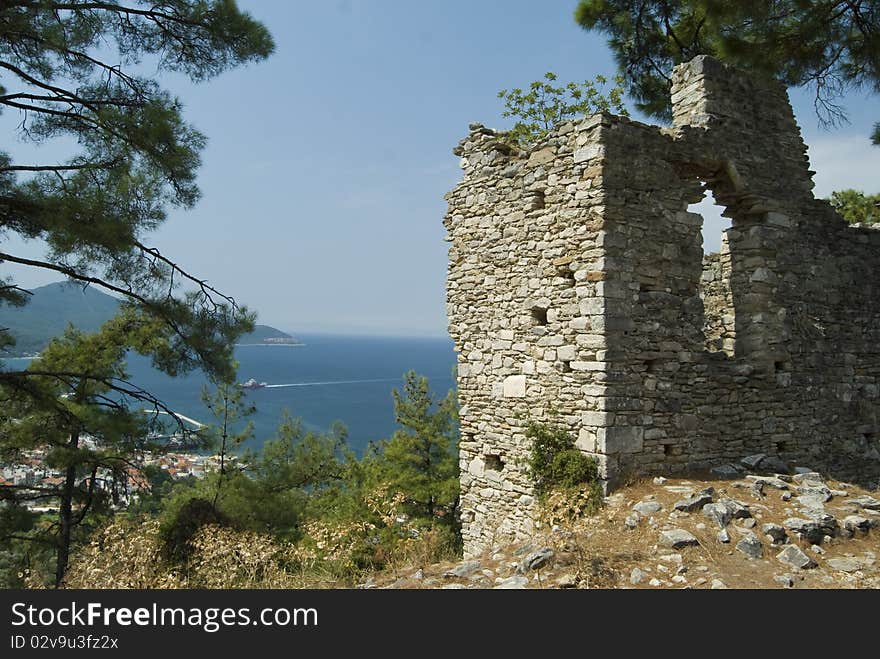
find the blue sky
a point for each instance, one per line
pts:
(324, 176)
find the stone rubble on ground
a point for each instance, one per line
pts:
(810, 542)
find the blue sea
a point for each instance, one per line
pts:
(329, 378)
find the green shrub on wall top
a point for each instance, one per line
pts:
(542, 106)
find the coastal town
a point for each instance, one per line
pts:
(36, 481)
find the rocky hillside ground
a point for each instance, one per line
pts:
(742, 526)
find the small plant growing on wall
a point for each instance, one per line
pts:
(561, 473)
(543, 105)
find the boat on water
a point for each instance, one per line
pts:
(253, 384)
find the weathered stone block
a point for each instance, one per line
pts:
(514, 386)
(589, 152)
(621, 439)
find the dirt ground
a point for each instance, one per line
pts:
(620, 548)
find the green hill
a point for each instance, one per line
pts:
(51, 308)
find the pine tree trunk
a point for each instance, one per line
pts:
(65, 516)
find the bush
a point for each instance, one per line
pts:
(178, 532)
(542, 106)
(555, 463)
(126, 554)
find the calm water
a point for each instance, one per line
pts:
(330, 378)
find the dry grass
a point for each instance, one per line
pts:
(600, 552)
(595, 551)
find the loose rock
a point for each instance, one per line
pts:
(812, 530)
(792, 555)
(647, 508)
(725, 510)
(866, 502)
(784, 580)
(776, 533)
(805, 476)
(693, 503)
(769, 481)
(857, 523)
(750, 546)
(512, 583)
(536, 560)
(636, 576)
(726, 471)
(677, 539)
(753, 461)
(463, 570)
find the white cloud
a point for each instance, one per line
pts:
(842, 162)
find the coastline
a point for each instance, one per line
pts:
(269, 345)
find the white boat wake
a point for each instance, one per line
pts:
(197, 424)
(316, 384)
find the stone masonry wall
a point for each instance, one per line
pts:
(577, 293)
(719, 319)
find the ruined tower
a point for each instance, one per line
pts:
(577, 288)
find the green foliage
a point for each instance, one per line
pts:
(19, 554)
(856, 207)
(875, 136)
(227, 405)
(544, 105)
(421, 459)
(556, 463)
(77, 387)
(71, 75)
(272, 490)
(308, 496)
(830, 45)
(180, 529)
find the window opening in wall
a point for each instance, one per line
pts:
(566, 273)
(493, 462)
(782, 447)
(782, 367)
(719, 318)
(534, 200)
(539, 314)
(652, 366)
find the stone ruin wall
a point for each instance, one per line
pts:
(578, 292)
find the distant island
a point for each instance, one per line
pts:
(52, 307)
(263, 335)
